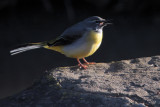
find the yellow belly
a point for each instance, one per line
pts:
(84, 47)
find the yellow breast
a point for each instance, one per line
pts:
(94, 39)
(86, 46)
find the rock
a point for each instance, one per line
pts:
(125, 83)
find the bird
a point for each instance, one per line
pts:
(78, 41)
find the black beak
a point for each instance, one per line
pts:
(106, 22)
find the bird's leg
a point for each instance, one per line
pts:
(86, 62)
(81, 65)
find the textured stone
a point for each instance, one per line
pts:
(134, 82)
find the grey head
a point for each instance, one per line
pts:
(95, 23)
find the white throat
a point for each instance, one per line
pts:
(99, 30)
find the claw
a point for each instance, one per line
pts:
(88, 63)
(81, 65)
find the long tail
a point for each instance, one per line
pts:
(26, 47)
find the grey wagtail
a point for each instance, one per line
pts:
(78, 41)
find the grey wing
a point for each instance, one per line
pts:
(61, 41)
(69, 36)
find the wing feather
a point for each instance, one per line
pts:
(65, 40)
(69, 36)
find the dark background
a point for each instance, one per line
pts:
(135, 32)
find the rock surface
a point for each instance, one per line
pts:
(125, 83)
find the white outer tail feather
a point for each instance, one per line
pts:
(23, 49)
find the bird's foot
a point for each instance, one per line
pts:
(89, 63)
(82, 66)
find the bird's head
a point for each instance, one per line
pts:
(95, 23)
